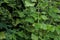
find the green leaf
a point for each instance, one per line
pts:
(34, 37)
(27, 4)
(44, 17)
(28, 19)
(40, 26)
(33, 0)
(21, 14)
(3, 25)
(58, 29)
(51, 28)
(2, 35)
(6, 1)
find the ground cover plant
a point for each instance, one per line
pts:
(29, 19)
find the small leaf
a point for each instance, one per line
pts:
(6, 1)
(27, 4)
(34, 37)
(28, 19)
(44, 17)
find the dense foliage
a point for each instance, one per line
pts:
(29, 19)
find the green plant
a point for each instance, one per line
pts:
(29, 20)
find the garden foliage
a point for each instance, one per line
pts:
(29, 19)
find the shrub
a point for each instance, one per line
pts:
(29, 20)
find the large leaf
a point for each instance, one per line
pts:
(2, 35)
